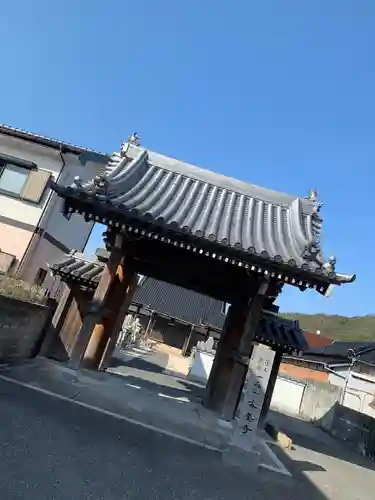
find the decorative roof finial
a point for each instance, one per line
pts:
(313, 195)
(101, 185)
(330, 265)
(135, 139)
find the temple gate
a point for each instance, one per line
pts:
(203, 231)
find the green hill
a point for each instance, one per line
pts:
(337, 327)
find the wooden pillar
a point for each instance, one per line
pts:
(270, 388)
(233, 354)
(118, 316)
(57, 321)
(93, 322)
(114, 305)
(223, 362)
(186, 349)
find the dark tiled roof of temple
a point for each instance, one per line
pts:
(180, 303)
(184, 305)
(341, 352)
(250, 221)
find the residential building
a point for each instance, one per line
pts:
(347, 365)
(33, 231)
(300, 367)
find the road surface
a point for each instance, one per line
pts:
(57, 450)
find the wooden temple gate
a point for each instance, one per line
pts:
(221, 237)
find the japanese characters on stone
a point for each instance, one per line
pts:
(255, 388)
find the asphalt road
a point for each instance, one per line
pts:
(57, 450)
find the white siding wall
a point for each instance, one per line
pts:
(73, 234)
(360, 390)
(45, 158)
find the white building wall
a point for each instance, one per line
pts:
(45, 158)
(359, 392)
(338, 377)
(19, 219)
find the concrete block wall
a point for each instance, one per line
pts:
(355, 429)
(318, 399)
(311, 401)
(21, 327)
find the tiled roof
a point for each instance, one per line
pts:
(184, 305)
(340, 348)
(179, 303)
(340, 352)
(315, 341)
(76, 267)
(251, 222)
(48, 141)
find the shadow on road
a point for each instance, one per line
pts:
(309, 436)
(148, 372)
(138, 363)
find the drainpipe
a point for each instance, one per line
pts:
(38, 232)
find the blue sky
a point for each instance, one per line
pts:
(278, 93)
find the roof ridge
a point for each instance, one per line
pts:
(238, 186)
(20, 131)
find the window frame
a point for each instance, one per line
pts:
(42, 273)
(12, 194)
(29, 167)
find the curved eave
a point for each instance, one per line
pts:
(113, 216)
(68, 276)
(342, 279)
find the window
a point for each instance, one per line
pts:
(23, 180)
(13, 178)
(40, 277)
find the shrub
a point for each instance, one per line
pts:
(19, 289)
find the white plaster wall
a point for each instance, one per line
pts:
(337, 378)
(360, 390)
(14, 240)
(362, 382)
(73, 233)
(46, 254)
(201, 366)
(287, 395)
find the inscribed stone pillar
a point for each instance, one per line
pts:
(253, 395)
